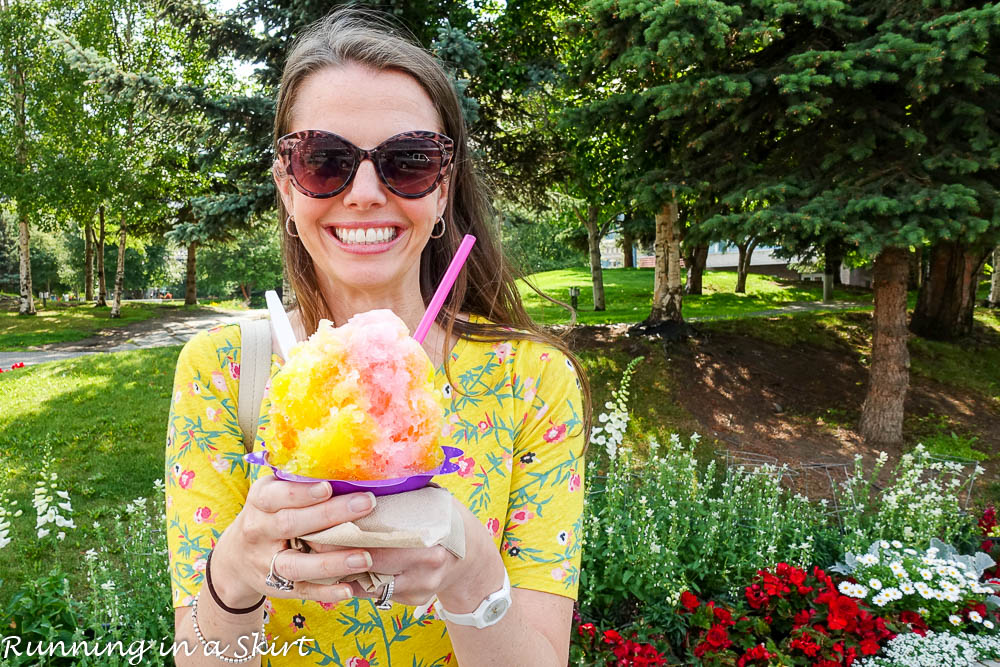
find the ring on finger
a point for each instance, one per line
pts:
(275, 580)
(383, 603)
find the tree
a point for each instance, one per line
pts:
(239, 267)
(632, 67)
(28, 89)
(947, 298)
(870, 122)
(994, 300)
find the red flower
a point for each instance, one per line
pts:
(869, 646)
(843, 613)
(612, 637)
(806, 644)
(689, 601)
(587, 628)
(723, 617)
(758, 652)
(718, 638)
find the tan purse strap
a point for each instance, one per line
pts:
(255, 370)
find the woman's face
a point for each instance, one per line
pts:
(365, 107)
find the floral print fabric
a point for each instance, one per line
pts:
(515, 411)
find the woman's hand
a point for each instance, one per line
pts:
(421, 573)
(276, 511)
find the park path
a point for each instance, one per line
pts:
(160, 332)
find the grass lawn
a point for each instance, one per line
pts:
(628, 295)
(103, 420)
(60, 323)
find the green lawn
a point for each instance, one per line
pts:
(103, 419)
(628, 295)
(60, 323)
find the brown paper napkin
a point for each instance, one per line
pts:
(422, 518)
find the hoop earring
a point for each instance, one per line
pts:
(443, 227)
(288, 229)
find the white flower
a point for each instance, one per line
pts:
(907, 588)
(110, 586)
(975, 617)
(954, 620)
(884, 544)
(90, 555)
(988, 625)
(896, 544)
(875, 583)
(43, 532)
(926, 574)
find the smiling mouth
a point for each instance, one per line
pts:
(368, 236)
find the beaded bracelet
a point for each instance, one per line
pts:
(217, 653)
(215, 596)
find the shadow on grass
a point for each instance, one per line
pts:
(102, 418)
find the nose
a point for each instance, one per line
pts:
(366, 190)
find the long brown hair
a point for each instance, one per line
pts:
(486, 286)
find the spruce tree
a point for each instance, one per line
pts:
(874, 122)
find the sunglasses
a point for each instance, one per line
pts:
(321, 164)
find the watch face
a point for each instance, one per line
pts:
(496, 610)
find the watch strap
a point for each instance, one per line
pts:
(489, 611)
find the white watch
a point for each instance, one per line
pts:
(489, 611)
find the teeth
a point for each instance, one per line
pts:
(365, 236)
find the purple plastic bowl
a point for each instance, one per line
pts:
(379, 487)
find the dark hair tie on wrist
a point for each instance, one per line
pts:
(215, 596)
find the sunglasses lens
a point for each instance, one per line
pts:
(322, 164)
(411, 166)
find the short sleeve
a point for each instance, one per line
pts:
(206, 478)
(541, 539)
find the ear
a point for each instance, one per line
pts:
(283, 184)
(444, 188)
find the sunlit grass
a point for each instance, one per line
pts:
(103, 419)
(629, 296)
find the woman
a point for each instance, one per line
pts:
(376, 190)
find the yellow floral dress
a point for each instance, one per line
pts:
(515, 411)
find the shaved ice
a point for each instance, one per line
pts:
(356, 402)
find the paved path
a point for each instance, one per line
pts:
(171, 332)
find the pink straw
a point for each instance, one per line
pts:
(457, 262)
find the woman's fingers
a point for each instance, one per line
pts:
(270, 494)
(294, 509)
(300, 567)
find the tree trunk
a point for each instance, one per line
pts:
(191, 285)
(743, 264)
(287, 293)
(594, 246)
(102, 284)
(889, 376)
(994, 299)
(88, 268)
(667, 292)
(18, 87)
(916, 269)
(628, 242)
(947, 298)
(27, 302)
(832, 257)
(695, 259)
(116, 306)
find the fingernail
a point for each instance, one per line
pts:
(346, 592)
(361, 560)
(321, 490)
(362, 502)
